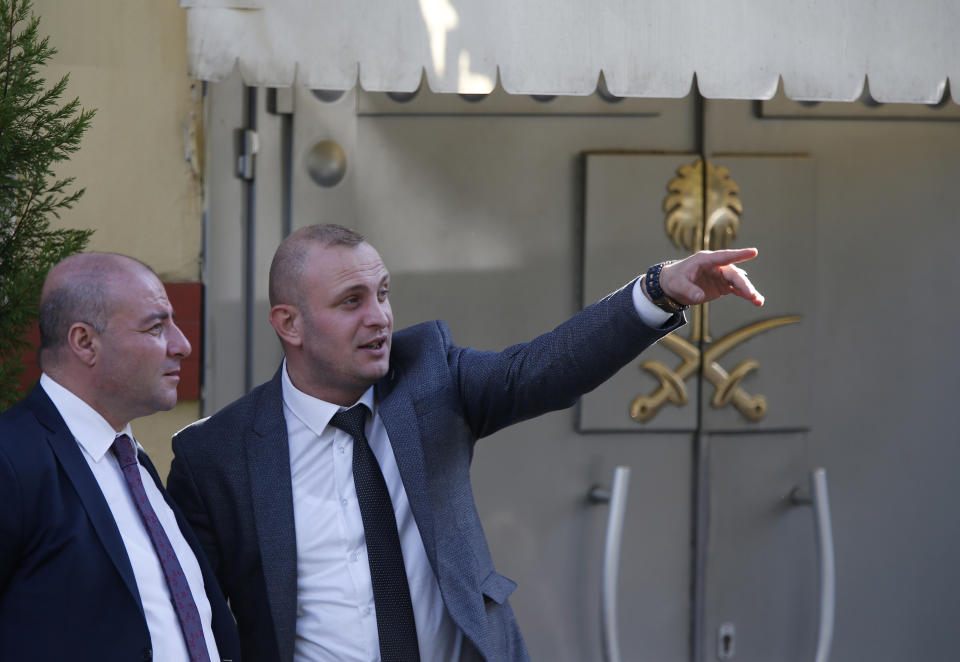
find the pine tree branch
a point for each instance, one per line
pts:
(10, 23)
(36, 132)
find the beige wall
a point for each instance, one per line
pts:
(127, 59)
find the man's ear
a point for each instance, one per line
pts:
(288, 323)
(83, 342)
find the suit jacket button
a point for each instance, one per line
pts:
(147, 654)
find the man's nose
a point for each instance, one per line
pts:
(178, 344)
(378, 314)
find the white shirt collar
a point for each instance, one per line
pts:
(314, 412)
(89, 428)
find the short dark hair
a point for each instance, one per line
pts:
(79, 300)
(291, 258)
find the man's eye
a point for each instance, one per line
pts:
(155, 330)
(351, 302)
(383, 294)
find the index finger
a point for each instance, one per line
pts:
(730, 256)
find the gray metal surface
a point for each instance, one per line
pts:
(780, 207)
(761, 573)
(224, 337)
(486, 220)
(884, 361)
(623, 229)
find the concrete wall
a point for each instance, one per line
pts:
(127, 59)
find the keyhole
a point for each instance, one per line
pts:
(725, 641)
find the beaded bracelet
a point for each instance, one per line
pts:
(657, 295)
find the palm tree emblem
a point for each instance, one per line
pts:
(704, 219)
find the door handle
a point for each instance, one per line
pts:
(816, 495)
(616, 496)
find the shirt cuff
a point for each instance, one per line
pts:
(650, 314)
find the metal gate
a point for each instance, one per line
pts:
(502, 215)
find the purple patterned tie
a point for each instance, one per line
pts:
(180, 594)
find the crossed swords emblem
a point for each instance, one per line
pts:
(684, 224)
(727, 384)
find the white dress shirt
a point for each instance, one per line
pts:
(336, 617)
(95, 437)
(651, 314)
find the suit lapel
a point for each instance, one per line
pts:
(88, 490)
(268, 464)
(400, 420)
(399, 416)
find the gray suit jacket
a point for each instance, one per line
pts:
(231, 473)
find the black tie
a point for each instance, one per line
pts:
(391, 595)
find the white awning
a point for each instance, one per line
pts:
(823, 50)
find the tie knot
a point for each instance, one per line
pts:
(351, 421)
(123, 449)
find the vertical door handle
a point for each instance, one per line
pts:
(818, 497)
(616, 496)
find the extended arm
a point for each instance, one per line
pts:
(553, 370)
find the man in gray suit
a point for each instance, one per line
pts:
(283, 489)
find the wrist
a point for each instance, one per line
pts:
(651, 287)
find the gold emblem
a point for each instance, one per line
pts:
(686, 207)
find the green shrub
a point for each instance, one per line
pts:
(36, 133)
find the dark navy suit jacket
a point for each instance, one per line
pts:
(67, 589)
(231, 473)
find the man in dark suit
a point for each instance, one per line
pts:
(95, 563)
(277, 485)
